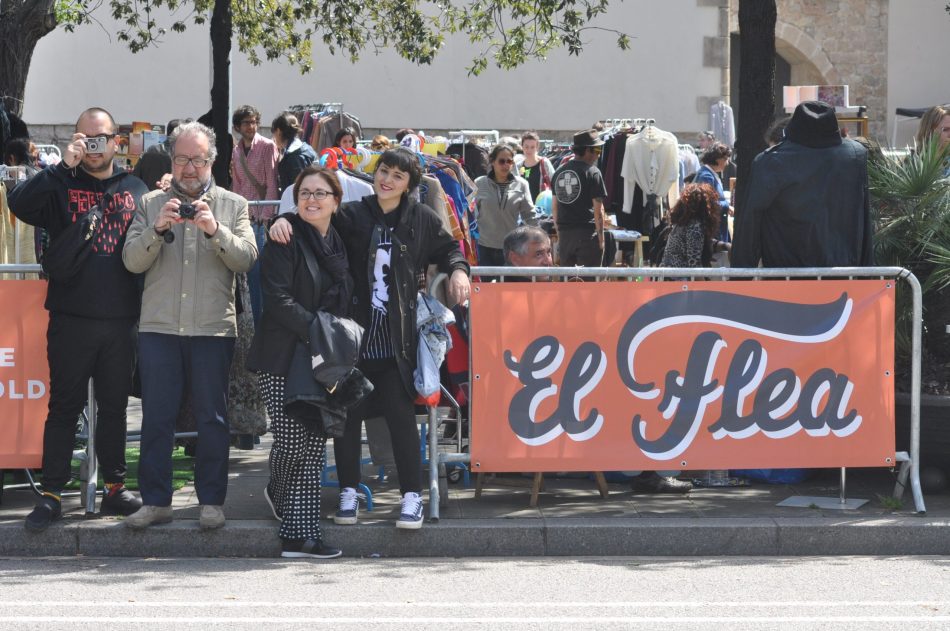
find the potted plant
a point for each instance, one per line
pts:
(910, 200)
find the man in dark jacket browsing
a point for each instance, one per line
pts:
(806, 203)
(92, 316)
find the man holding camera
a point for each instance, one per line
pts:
(189, 241)
(92, 313)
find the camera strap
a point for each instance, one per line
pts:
(261, 189)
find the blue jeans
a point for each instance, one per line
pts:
(254, 275)
(170, 364)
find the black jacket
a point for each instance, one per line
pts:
(56, 197)
(292, 163)
(423, 241)
(291, 286)
(805, 207)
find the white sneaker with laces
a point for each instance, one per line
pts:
(410, 512)
(349, 507)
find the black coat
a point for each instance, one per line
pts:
(291, 287)
(805, 207)
(423, 241)
(292, 163)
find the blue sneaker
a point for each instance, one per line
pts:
(410, 513)
(349, 507)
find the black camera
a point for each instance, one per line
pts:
(187, 211)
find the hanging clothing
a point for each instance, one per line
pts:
(652, 162)
(722, 123)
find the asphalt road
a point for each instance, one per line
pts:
(549, 593)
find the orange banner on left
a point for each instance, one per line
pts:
(24, 373)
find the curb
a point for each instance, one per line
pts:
(502, 538)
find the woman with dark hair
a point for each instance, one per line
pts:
(712, 162)
(695, 226)
(296, 155)
(536, 169)
(345, 139)
(390, 240)
(501, 197)
(16, 153)
(294, 291)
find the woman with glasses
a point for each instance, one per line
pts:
(296, 155)
(294, 290)
(502, 198)
(390, 240)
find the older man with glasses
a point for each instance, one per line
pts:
(189, 242)
(92, 309)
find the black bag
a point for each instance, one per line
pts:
(65, 255)
(658, 239)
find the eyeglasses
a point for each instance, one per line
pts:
(317, 195)
(197, 162)
(505, 161)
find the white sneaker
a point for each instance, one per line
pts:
(349, 507)
(410, 512)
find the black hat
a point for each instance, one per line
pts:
(587, 139)
(814, 125)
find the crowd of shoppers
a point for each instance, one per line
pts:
(164, 265)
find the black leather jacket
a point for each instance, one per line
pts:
(805, 207)
(291, 288)
(421, 240)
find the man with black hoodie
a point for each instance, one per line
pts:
(91, 317)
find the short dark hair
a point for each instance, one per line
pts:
(343, 133)
(326, 174)
(530, 135)
(404, 160)
(19, 150)
(497, 149)
(96, 110)
(245, 111)
(518, 239)
(287, 125)
(716, 152)
(776, 131)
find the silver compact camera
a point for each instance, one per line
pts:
(96, 144)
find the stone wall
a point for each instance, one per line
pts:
(838, 42)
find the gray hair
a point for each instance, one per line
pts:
(518, 239)
(194, 128)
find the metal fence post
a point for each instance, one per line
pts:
(88, 486)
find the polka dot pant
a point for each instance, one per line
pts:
(297, 459)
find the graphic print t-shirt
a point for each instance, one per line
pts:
(379, 344)
(576, 184)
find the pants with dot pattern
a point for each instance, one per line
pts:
(297, 459)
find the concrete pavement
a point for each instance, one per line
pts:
(571, 519)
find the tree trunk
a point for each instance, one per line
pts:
(22, 24)
(221, 32)
(756, 77)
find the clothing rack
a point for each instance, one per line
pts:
(466, 135)
(319, 107)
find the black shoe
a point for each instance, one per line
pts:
(270, 502)
(121, 502)
(652, 482)
(46, 512)
(307, 548)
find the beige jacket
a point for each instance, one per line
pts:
(189, 283)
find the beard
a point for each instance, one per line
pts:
(191, 186)
(105, 167)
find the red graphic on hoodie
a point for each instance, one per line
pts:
(116, 215)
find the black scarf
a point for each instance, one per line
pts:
(331, 255)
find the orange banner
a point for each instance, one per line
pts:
(24, 373)
(675, 375)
